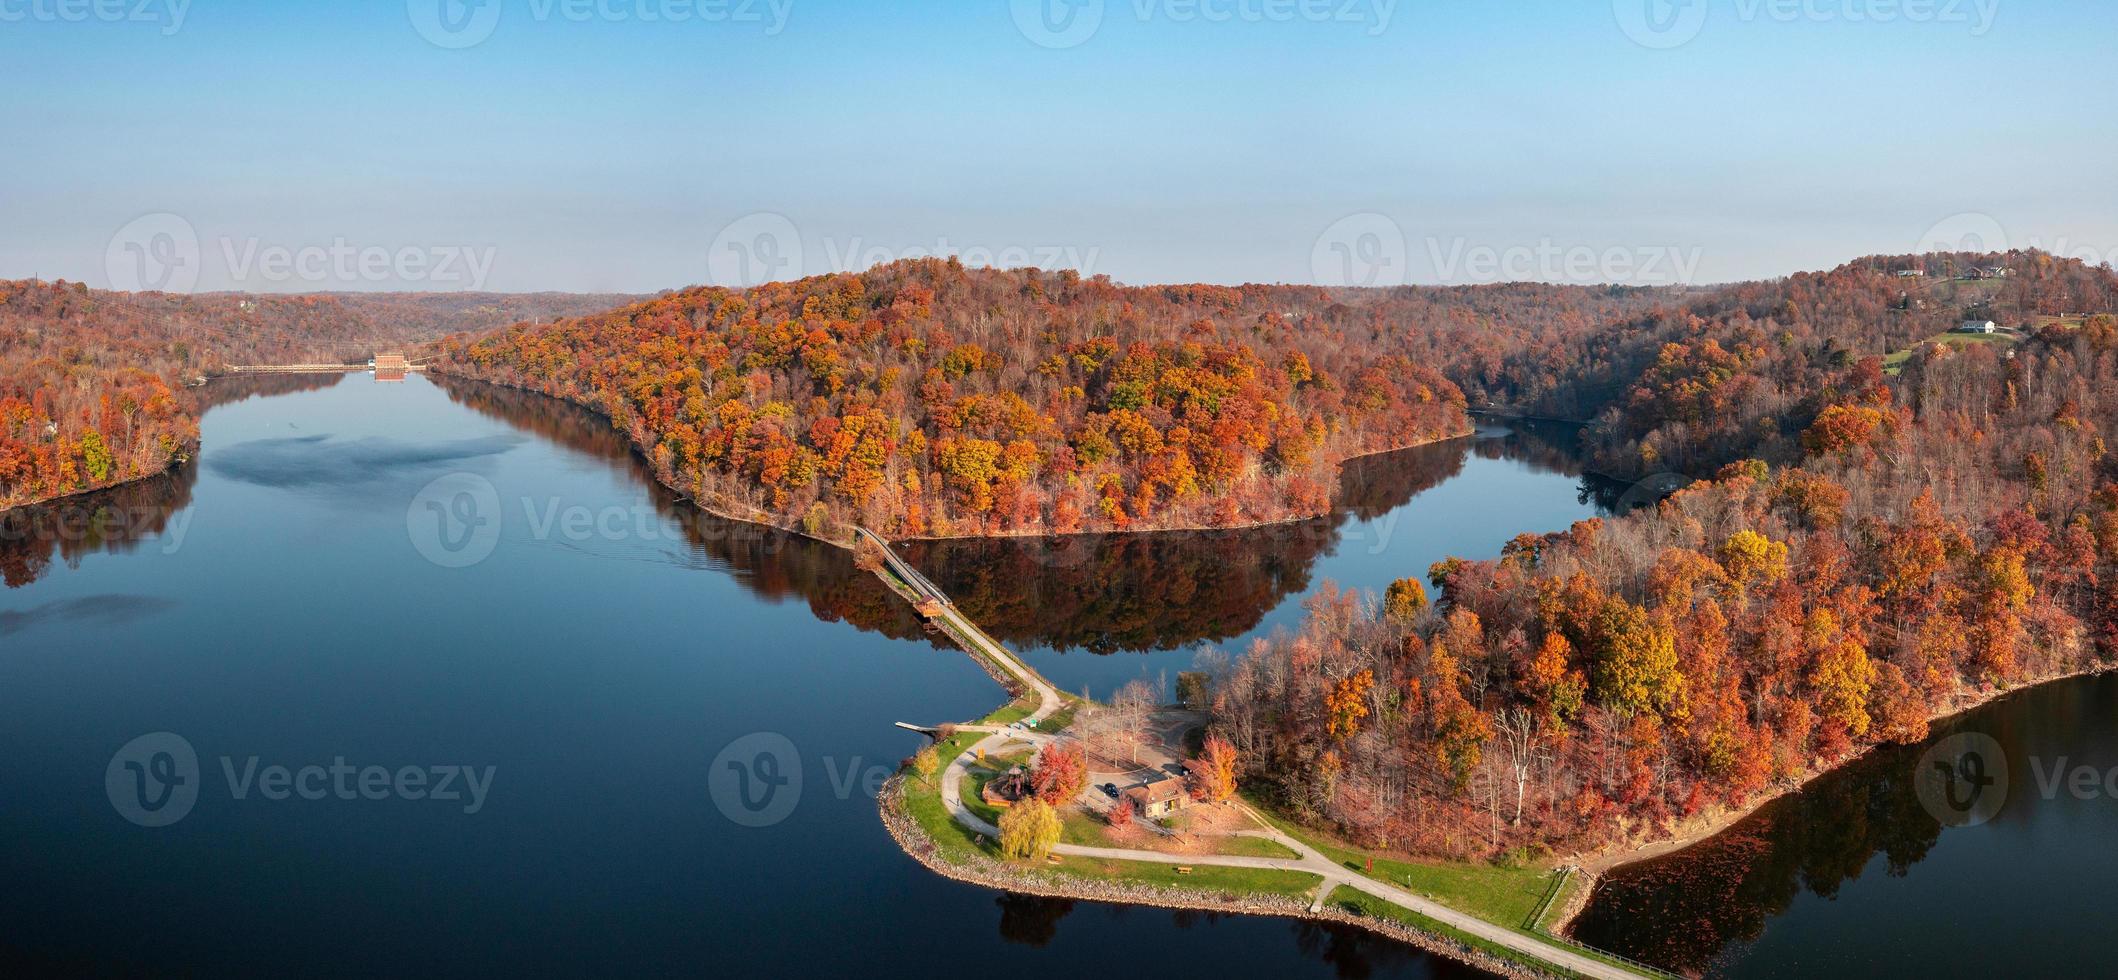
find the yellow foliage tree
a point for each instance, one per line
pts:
(1028, 830)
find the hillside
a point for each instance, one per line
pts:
(1867, 554)
(92, 382)
(926, 399)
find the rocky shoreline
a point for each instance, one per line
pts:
(989, 873)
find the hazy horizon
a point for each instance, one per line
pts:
(634, 146)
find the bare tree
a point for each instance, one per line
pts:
(1520, 732)
(1131, 709)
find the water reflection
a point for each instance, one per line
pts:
(1103, 593)
(1031, 920)
(115, 520)
(119, 519)
(1107, 593)
(1826, 876)
(771, 563)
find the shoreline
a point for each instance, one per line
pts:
(1594, 866)
(185, 458)
(913, 840)
(719, 510)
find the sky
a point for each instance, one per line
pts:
(640, 145)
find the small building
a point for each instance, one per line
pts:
(1159, 798)
(1911, 273)
(1996, 272)
(1977, 326)
(393, 361)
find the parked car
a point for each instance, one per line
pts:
(1110, 790)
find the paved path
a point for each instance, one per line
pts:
(1310, 860)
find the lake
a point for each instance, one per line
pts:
(430, 677)
(1858, 875)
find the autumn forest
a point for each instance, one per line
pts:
(1878, 528)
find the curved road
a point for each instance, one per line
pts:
(1310, 860)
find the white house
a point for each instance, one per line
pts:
(1977, 326)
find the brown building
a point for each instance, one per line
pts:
(1159, 798)
(390, 362)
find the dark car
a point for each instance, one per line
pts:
(1110, 790)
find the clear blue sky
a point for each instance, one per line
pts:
(592, 150)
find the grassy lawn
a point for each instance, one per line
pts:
(1241, 881)
(1502, 896)
(1010, 713)
(1566, 892)
(1893, 363)
(1369, 907)
(1088, 830)
(957, 842)
(923, 802)
(1061, 719)
(1023, 707)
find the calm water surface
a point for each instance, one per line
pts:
(272, 606)
(1093, 612)
(1854, 876)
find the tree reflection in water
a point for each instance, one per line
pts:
(1701, 909)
